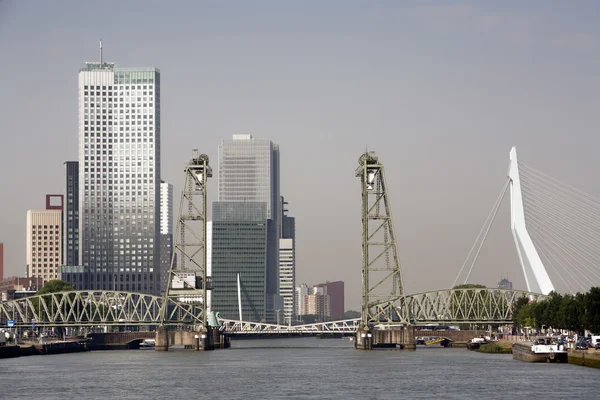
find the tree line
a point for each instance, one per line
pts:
(561, 311)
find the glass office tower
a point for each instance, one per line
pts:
(245, 230)
(119, 177)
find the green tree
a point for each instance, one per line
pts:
(520, 303)
(55, 286)
(592, 309)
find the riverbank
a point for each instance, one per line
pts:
(34, 349)
(585, 358)
(499, 347)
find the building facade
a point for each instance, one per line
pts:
(318, 303)
(119, 177)
(70, 252)
(9, 286)
(44, 244)
(287, 264)
(301, 291)
(287, 279)
(166, 232)
(239, 247)
(335, 291)
(246, 229)
(505, 284)
(1, 261)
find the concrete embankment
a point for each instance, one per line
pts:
(586, 358)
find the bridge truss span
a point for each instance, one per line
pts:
(256, 328)
(473, 305)
(96, 308)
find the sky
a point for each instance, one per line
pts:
(440, 90)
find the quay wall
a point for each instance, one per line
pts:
(586, 358)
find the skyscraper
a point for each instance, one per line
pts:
(287, 264)
(166, 232)
(44, 240)
(119, 176)
(245, 230)
(70, 252)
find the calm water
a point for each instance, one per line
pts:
(303, 368)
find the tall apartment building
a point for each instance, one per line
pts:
(70, 252)
(505, 284)
(1, 261)
(166, 232)
(318, 303)
(44, 240)
(287, 264)
(245, 230)
(335, 291)
(301, 291)
(119, 177)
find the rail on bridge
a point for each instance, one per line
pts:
(80, 308)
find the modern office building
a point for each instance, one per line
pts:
(246, 229)
(239, 247)
(119, 177)
(1, 261)
(166, 232)
(70, 252)
(44, 240)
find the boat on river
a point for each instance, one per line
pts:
(541, 350)
(475, 343)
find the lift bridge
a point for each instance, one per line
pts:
(562, 219)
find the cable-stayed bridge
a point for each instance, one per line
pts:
(554, 226)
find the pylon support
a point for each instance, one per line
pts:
(383, 298)
(188, 282)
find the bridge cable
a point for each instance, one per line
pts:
(565, 222)
(486, 227)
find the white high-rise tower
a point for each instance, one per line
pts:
(119, 176)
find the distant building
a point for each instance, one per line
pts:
(301, 291)
(70, 216)
(166, 232)
(335, 291)
(1, 261)
(505, 284)
(76, 275)
(9, 286)
(318, 303)
(44, 240)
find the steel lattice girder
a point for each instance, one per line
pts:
(383, 297)
(245, 327)
(93, 308)
(477, 305)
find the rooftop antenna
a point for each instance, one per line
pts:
(100, 53)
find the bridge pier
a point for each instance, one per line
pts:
(394, 337)
(200, 341)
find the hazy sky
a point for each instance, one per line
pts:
(440, 90)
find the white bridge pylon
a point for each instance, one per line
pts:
(536, 277)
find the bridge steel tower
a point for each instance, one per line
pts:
(384, 313)
(536, 277)
(188, 282)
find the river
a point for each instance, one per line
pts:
(300, 368)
